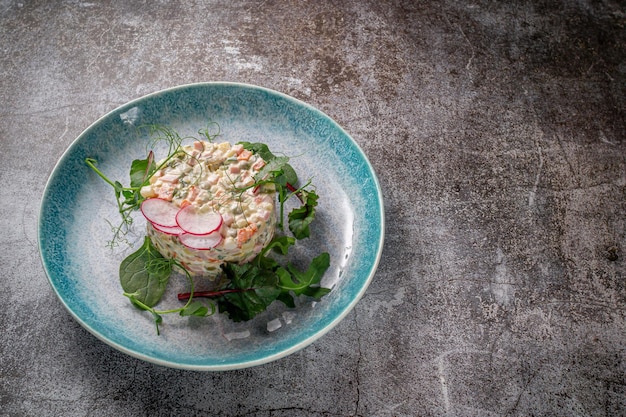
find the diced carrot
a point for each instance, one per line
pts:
(244, 155)
(244, 234)
(258, 165)
(191, 196)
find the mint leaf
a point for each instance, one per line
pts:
(145, 274)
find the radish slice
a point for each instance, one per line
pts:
(195, 223)
(200, 242)
(173, 230)
(160, 212)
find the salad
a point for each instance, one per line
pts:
(216, 212)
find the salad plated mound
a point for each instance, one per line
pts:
(204, 208)
(215, 211)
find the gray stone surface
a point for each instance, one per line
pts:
(497, 130)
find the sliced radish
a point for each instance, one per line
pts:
(160, 212)
(171, 230)
(196, 223)
(201, 242)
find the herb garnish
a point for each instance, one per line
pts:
(129, 198)
(252, 287)
(144, 276)
(246, 289)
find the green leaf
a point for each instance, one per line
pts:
(316, 292)
(280, 244)
(145, 274)
(306, 282)
(195, 308)
(273, 168)
(141, 169)
(287, 299)
(119, 188)
(289, 175)
(258, 284)
(276, 166)
(258, 290)
(259, 148)
(301, 218)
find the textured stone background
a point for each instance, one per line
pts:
(497, 130)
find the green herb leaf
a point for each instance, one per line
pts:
(257, 287)
(141, 170)
(252, 287)
(289, 175)
(195, 308)
(280, 244)
(278, 171)
(306, 282)
(259, 148)
(276, 166)
(287, 299)
(145, 274)
(273, 168)
(300, 218)
(119, 188)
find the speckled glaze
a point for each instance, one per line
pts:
(78, 209)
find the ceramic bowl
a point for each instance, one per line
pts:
(78, 212)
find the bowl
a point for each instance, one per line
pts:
(78, 212)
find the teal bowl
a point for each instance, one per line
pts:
(78, 212)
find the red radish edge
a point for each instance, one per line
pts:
(200, 242)
(174, 230)
(160, 212)
(196, 223)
